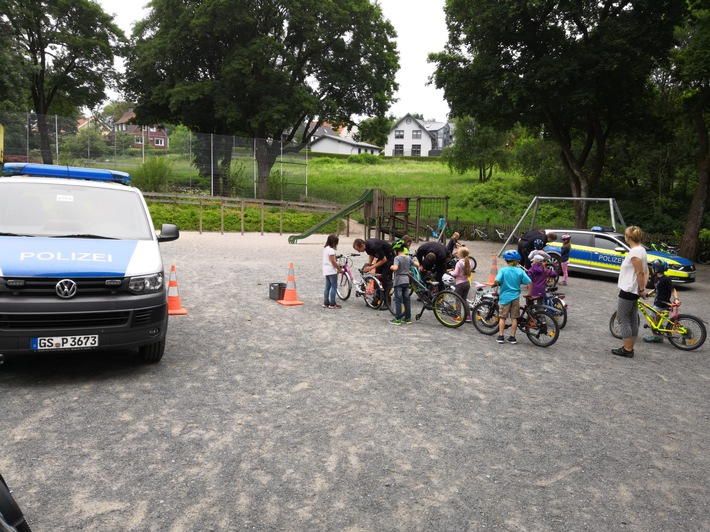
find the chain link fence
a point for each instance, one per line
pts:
(218, 165)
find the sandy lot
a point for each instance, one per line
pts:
(265, 417)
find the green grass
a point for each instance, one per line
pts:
(498, 202)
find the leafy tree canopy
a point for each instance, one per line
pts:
(578, 68)
(67, 49)
(375, 130)
(262, 68)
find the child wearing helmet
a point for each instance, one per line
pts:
(665, 292)
(539, 273)
(564, 257)
(509, 279)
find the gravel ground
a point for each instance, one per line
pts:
(265, 417)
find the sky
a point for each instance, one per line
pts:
(420, 27)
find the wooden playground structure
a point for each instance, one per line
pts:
(391, 217)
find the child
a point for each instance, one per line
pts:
(461, 273)
(402, 264)
(331, 269)
(509, 279)
(564, 257)
(538, 274)
(664, 292)
(452, 246)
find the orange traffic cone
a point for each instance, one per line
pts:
(174, 305)
(493, 273)
(290, 298)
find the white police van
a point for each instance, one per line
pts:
(80, 264)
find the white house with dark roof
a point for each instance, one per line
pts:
(325, 140)
(419, 138)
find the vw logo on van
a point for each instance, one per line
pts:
(66, 288)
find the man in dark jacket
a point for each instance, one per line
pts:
(380, 258)
(433, 257)
(533, 239)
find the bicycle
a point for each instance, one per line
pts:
(704, 257)
(477, 233)
(449, 308)
(554, 300)
(665, 248)
(368, 286)
(535, 320)
(683, 331)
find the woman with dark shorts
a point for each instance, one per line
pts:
(633, 277)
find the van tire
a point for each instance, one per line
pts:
(152, 352)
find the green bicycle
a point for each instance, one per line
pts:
(683, 331)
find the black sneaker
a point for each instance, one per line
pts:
(621, 352)
(500, 339)
(512, 340)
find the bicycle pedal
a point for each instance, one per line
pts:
(645, 326)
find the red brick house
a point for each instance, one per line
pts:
(153, 136)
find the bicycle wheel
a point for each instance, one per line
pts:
(614, 325)
(542, 329)
(373, 292)
(484, 317)
(450, 309)
(561, 315)
(704, 257)
(474, 263)
(688, 333)
(345, 286)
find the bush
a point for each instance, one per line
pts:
(154, 174)
(364, 158)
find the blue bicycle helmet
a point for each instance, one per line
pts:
(511, 256)
(659, 266)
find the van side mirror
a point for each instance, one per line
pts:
(168, 232)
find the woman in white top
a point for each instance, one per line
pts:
(330, 272)
(633, 277)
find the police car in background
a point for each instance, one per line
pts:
(601, 251)
(80, 265)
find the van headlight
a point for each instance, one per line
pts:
(146, 284)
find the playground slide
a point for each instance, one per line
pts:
(366, 196)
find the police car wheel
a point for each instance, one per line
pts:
(152, 352)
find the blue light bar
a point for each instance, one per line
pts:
(71, 172)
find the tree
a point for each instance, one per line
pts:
(88, 143)
(476, 147)
(579, 69)
(114, 110)
(375, 130)
(13, 94)
(68, 47)
(692, 70)
(274, 70)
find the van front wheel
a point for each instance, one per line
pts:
(152, 352)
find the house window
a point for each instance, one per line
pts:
(139, 140)
(159, 141)
(399, 149)
(417, 134)
(152, 129)
(399, 133)
(416, 150)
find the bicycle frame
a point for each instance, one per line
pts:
(665, 316)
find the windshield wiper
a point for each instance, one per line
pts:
(87, 235)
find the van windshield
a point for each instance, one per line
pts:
(58, 209)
